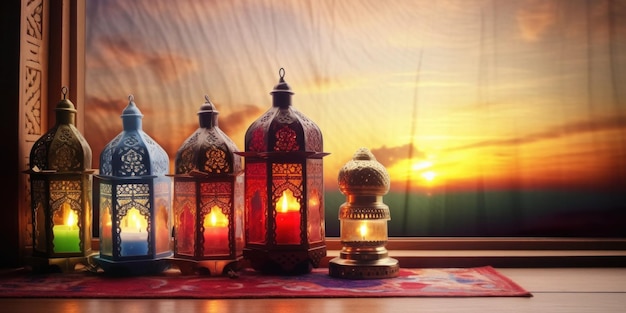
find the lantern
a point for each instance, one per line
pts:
(363, 221)
(284, 203)
(134, 201)
(208, 199)
(60, 181)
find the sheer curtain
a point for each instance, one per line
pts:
(493, 118)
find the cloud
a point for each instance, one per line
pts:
(239, 120)
(387, 156)
(102, 123)
(535, 18)
(120, 53)
(577, 127)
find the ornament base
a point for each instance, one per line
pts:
(132, 267)
(207, 267)
(57, 265)
(285, 261)
(355, 269)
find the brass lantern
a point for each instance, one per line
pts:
(363, 221)
(284, 203)
(134, 201)
(208, 199)
(61, 182)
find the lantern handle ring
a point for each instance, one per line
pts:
(281, 73)
(131, 98)
(206, 98)
(64, 91)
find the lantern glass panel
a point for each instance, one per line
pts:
(162, 222)
(256, 196)
(315, 212)
(65, 200)
(134, 233)
(287, 194)
(185, 199)
(216, 206)
(106, 221)
(39, 199)
(133, 214)
(354, 230)
(287, 218)
(66, 237)
(239, 213)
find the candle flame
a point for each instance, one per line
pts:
(134, 221)
(288, 203)
(216, 218)
(71, 219)
(363, 230)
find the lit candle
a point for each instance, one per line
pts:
(288, 220)
(363, 231)
(215, 232)
(134, 235)
(66, 236)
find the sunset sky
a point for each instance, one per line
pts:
(530, 94)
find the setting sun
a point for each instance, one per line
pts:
(429, 175)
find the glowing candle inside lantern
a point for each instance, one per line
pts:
(134, 234)
(66, 236)
(288, 219)
(215, 232)
(363, 231)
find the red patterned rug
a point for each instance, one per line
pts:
(428, 282)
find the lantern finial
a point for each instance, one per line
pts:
(282, 92)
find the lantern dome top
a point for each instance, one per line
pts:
(283, 128)
(208, 150)
(363, 175)
(62, 148)
(133, 152)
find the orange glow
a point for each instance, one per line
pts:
(216, 218)
(288, 202)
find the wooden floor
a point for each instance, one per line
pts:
(589, 290)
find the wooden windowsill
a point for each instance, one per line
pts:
(504, 252)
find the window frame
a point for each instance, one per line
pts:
(63, 62)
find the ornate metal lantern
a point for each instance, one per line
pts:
(60, 181)
(134, 200)
(363, 221)
(208, 199)
(284, 203)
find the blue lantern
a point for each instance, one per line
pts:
(134, 200)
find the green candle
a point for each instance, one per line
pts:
(66, 237)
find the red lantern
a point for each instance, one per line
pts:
(208, 199)
(284, 189)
